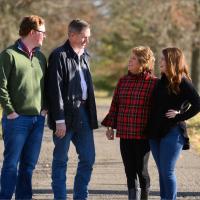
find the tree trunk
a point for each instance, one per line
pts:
(195, 67)
(195, 64)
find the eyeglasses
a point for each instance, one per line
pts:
(43, 32)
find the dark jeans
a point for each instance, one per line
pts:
(22, 141)
(135, 156)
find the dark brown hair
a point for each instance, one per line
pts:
(176, 68)
(29, 23)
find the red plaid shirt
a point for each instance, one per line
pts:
(130, 105)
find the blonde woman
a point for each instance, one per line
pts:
(128, 114)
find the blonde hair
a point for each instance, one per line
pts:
(145, 57)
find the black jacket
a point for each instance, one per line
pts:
(158, 124)
(64, 93)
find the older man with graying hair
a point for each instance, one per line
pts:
(72, 110)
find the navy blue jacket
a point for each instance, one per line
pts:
(63, 88)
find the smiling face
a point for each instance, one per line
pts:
(32, 31)
(141, 60)
(133, 64)
(80, 40)
(39, 35)
(163, 65)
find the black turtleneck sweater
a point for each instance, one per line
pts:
(158, 124)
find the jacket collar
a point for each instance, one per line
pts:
(72, 53)
(136, 76)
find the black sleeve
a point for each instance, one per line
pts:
(193, 98)
(54, 86)
(153, 108)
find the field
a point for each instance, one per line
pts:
(194, 132)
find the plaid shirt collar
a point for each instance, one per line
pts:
(135, 75)
(24, 48)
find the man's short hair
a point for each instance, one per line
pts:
(77, 25)
(28, 23)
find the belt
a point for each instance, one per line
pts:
(83, 102)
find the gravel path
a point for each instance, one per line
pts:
(108, 179)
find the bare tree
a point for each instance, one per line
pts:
(195, 63)
(57, 15)
(117, 26)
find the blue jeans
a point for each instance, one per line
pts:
(22, 142)
(166, 152)
(84, 143)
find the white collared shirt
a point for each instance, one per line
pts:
(83, 86)
(83, 82)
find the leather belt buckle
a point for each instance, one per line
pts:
(83, 102)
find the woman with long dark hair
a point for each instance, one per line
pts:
(166, 127)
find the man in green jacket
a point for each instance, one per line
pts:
(22, 70)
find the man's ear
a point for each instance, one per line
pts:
(31, 32)
(73, 34)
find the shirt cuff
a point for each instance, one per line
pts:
(60, 121)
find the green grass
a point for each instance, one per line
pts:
(103, 97)
(194, 132)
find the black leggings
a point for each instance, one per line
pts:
(135, 156)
